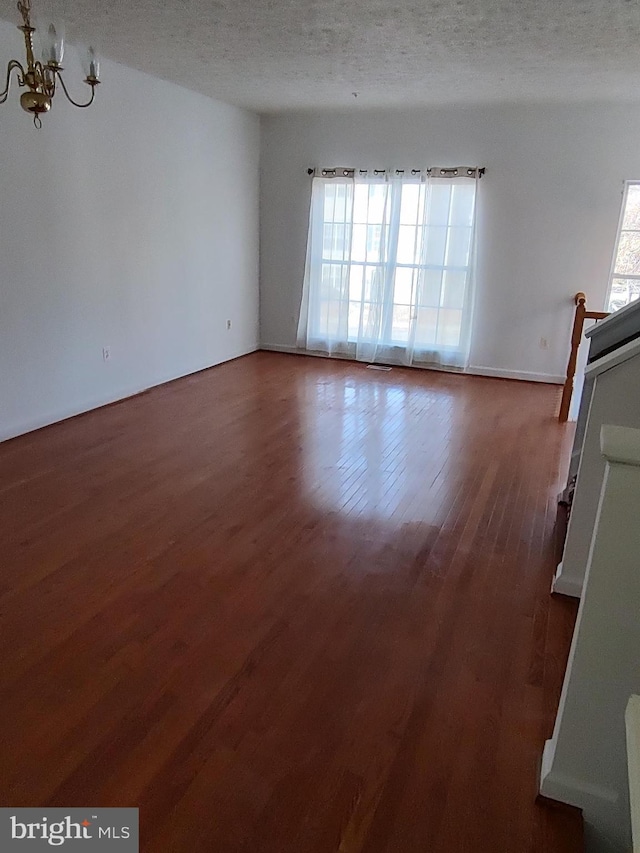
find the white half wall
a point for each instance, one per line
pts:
(585, 761)
(614, 399)
(131, 225)
(548, 211)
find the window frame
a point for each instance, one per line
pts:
(416, 267)
(632, 182)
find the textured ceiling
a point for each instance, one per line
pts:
(272, 55)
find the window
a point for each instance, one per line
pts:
(624, 285)
(388, 272)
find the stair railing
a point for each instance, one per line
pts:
(576, 337)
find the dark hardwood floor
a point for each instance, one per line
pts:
(290, 605)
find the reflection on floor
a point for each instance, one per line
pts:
(290, 605)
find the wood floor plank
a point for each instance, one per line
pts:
(289, 605)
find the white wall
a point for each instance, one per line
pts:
(549, 207)
(133, 225)
(585, 762)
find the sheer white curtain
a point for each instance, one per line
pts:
(389, 269)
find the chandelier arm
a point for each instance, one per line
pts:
(10, 67)
(70, 99)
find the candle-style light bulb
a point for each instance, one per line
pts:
(91, 64)
(52, 39)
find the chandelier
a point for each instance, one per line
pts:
(41, 78)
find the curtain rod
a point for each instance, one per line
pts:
(432, 172)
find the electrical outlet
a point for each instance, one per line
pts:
(106, 353)
(544, 343)
(228, 325)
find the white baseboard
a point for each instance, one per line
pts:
(566, 789)
(67, 412)
(565, 585)
(297, 351)
(523, 375)
(604, 811)
(474, 370)
(282, 348)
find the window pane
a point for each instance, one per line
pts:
(327, 240)
(436, 241)
(374, 233)
(631, 219)
(341, 278)
(326, 282)
(373, 284)
(377, 202)
(458, 247)
(449, 325)
(462, 205)
(403, 286)
(401, 320)
(623, 291)
(360, 202)
(329, 202)
(426, 325)
(409, 204)
(438, 203)
(628, 257)
(333, 281)
(359, 243)
(422, 204)
(454, 289)
(354, 319)
(430, 287)
(334, 243)
(356, 275)
(371, 320)
(323, 318)
(342, 209)
(409, 244)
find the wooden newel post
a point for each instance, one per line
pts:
(576, 337)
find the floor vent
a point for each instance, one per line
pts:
(377, 367)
